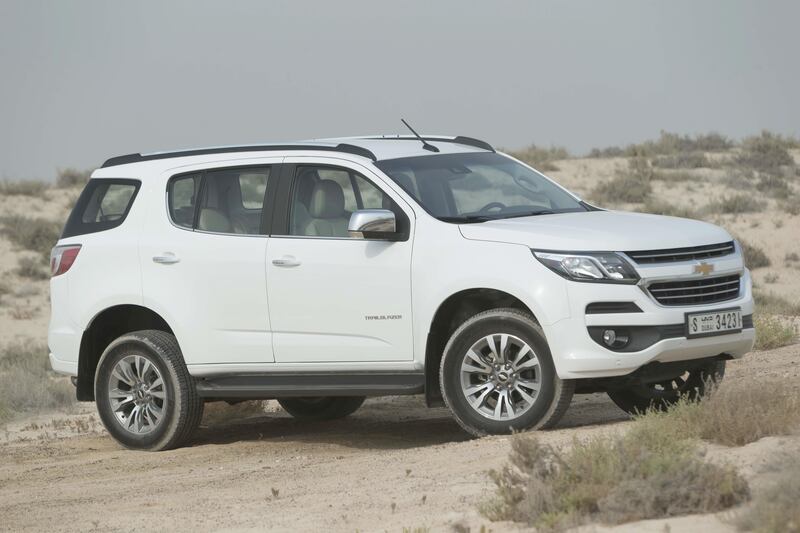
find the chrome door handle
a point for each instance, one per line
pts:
(286, 261)
(167, 259)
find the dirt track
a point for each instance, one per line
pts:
(394, 464)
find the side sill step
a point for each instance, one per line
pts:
(279, 385)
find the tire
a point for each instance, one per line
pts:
(321, 408)
(540, 411)
(693, 385)
(169, 411)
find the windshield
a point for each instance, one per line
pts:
(475, 187)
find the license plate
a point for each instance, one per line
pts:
(713, 323)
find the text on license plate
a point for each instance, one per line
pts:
(714, 322)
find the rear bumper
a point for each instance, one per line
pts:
(576, 355)
(70, 368)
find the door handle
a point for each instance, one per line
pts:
(168, 258)
(286, 261)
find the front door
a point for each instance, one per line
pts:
(333, 298)
(203, 263)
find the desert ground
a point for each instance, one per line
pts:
(394, 465)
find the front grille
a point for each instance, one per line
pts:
(674, 255)
(695, 291)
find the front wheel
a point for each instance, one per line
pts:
(144, 393)
(321, 408)
(692, 385)
(497, 375)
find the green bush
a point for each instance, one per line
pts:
(34, 234)
(33, 188)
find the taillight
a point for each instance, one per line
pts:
(62, 258)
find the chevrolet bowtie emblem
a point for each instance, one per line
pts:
(704, 269)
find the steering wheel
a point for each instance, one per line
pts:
(492, 205)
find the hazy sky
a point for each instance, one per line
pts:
(84, 80)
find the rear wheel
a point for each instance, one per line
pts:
(321, 408)
(692, 384)
(497, 375)
(144, 393)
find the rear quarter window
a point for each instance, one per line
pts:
(104, 204)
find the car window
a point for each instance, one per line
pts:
(323, 199)
(220, 201)
(103, 204)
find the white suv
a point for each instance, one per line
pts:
(320, 273)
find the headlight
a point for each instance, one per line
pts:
(601, 267)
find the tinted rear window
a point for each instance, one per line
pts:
(102, 205)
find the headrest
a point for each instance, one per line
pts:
(327, 200)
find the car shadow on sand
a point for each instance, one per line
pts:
(382, 423)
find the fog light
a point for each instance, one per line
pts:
(612, 339)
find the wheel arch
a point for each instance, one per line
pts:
(450, 314)
(102, 329)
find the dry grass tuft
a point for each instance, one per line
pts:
(737, 413)
(632, 185)
(34, 234)
(682, 160)
(772, 332)
(31, 268)
(541, 158)
(767, 152)
(754, 257)
(775, 509)
(27, 384)
(770, 303)
(71, 177)
(736, 204)
(637, 476)
(669, 144)
(661, 207)
(33, 188)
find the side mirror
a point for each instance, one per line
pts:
(377, 224)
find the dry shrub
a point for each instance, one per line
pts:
(682, 160)
(31, 268)
(774, 186)
(617, 479)
(669, 144)
(630, 186)
(735, 414)
(736, 204)
(71, 177)
(766, 152)
(27, 384)
(772, 332)
(770, 303)
(661, 207)
(33, 188)
(34, 234)
(775, 509)
(754, 257)
(541, 158)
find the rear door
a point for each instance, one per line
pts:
(333, 298)
(203, 261)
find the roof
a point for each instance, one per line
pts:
(375, 148)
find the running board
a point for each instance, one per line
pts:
(279, 385)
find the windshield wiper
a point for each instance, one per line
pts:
(529, 214)
(468, 219)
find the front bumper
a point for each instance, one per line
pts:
(576, 355)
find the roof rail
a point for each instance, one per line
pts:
(477, 143)
(341, 147)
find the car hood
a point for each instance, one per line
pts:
(598, 231)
